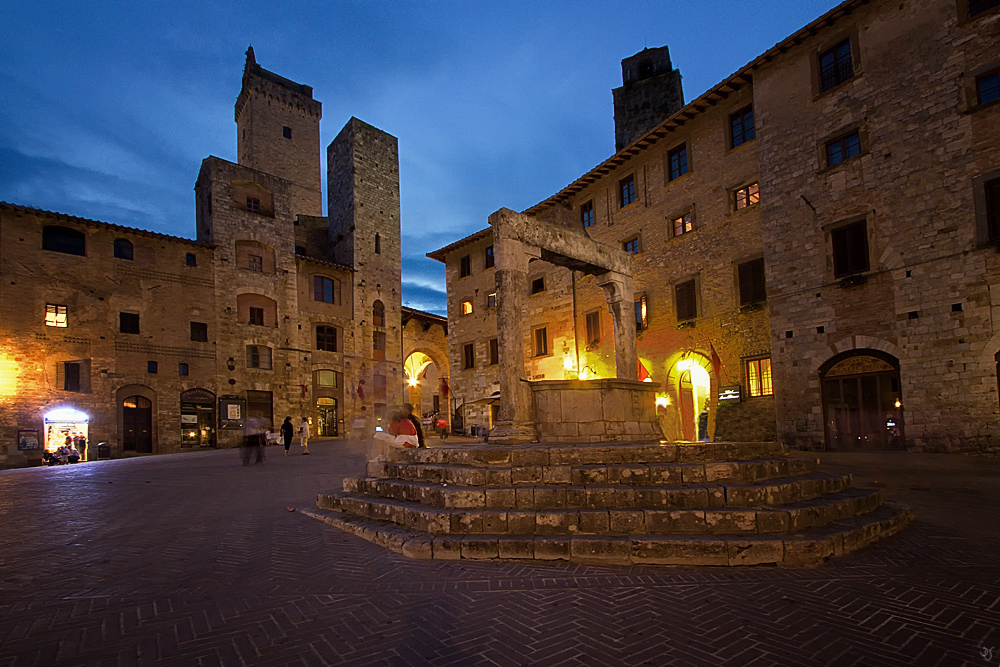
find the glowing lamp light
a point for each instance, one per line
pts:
(662, 401)
(568, 362)
(66, 415)
(898, 404)
(413, 382)
(648, 380)
(684, 365)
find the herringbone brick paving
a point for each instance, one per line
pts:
(194, 560)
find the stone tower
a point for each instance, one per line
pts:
(650, 93)
(277, 123)
(363, 210)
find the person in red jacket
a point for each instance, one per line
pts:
(408, 413)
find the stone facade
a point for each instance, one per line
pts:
(273, 310)
(425, 361)
(650, 91)
(852, 169)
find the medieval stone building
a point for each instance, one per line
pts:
(157, 344)
(813, 243)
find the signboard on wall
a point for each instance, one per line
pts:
(730, 393)
(27, 438)
(232, 412)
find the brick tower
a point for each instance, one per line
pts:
(650, 93)
(277, 123)
(363, 210)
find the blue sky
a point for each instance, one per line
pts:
(109, 107)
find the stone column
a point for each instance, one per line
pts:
(515, 422)
(620, 294)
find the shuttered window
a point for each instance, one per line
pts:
(752, 286)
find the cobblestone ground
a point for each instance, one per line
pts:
(195, 560)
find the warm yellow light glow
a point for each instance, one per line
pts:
(684, 365)
(662, 401)
(568, 363)
(413, 382)
(584, 374)
(898, 404)
(415, 365)
(8, 377)
(648, 380)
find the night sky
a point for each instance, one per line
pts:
(107, 109)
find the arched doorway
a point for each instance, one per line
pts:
(137, 425)
(862, 402)
(422, 383)
(326, 417)
(694, 387)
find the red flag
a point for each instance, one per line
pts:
(643, 373)
(444, 388)
(716, 362)
(361, 391)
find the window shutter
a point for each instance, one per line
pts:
(687, 300)
(993, 208)
(61, 375)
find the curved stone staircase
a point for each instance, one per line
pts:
(671, 504)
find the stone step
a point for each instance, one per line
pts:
(749, 470)
(603, 496)
(807, 548)
(554, 454)
(784, 518)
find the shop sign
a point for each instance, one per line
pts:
(231, 412)
(730, 393)
(198, 396)
(27, 438)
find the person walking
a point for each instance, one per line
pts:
(304, 435)
(287, 431)
(408, 413)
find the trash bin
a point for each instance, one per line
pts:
(103, 450)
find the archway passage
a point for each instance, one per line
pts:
(423, 383)
(137, 420)
(862, 402)
(326, 417)
(687, 399)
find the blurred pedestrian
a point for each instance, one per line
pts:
(287, 431)
(304, 435)
(408, 413)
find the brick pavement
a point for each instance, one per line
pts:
(194, 560)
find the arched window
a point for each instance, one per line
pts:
(378, 244)
(123, 249)
(64, 239)
(378, 314)
(326, 338)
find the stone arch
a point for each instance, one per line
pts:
(123, 394)
(671, 409)
(862, 400)
(855, 343)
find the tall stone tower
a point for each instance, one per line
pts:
(277, 123)
(650, 93)
(363, 210)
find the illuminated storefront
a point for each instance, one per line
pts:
(63, 423)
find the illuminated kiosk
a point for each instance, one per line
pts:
(63, 422)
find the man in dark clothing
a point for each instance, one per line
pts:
(408, 413)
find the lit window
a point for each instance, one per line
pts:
(465, 266)
(488, 260)
(683, 224)
(836, 65)
(587, 214)
(469, 356)
(540, 342)
(253, 204)
(988, 87)
(626, 191)
(747, 196)
(259, 356)
(255, 263)
(677, 159)
(326, 379)
(55, 316)
(843, 148)
(466, 307)
(326, 338)
(631, 246)
(641, 318)
(491, 300)
(741, 127)
(759, 377)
